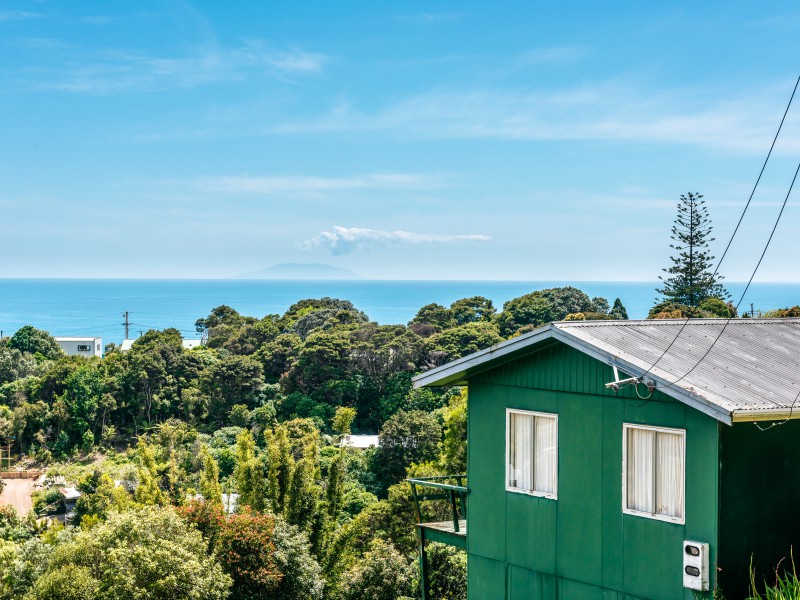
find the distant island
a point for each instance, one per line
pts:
(301, 271)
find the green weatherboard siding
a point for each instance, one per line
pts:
(580, 546)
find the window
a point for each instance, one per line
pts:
(532, 453)
(654, 465)
(84, 348)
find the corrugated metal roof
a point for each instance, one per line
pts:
(745, 369)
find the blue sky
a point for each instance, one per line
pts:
(408, 140)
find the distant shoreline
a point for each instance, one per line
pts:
(94, 306)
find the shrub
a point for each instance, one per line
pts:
(448, 572)
(783, 313)
(246, 550)
(383, 574)
(717, 307)
(147, 553)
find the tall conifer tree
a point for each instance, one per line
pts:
(690, 278)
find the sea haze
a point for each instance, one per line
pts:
(94, 307)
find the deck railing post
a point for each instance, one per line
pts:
(416, 501)
(454, 510)
(424, 584)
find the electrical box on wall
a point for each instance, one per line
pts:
(695, 566)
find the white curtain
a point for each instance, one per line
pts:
(640, 461)
(533, 453)
(546, 454)
(669, 478)
(655, 472)
(521, 451)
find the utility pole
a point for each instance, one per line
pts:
(127, 324)
(752, 312)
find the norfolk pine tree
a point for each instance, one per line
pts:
(690, 279)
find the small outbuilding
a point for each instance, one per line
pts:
(626, 459)
(70, 496)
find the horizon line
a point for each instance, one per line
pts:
(365, 280)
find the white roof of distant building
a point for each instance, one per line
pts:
(70, 493)
(61, 338)
(362, 442)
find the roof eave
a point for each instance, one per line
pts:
(665, 386)
(457, 372)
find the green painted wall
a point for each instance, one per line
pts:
(759, 502)
(580, 545)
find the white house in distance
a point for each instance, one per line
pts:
(81, 346)
(360, 442)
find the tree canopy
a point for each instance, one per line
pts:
(690, 280)
(217, 471)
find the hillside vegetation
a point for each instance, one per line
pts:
(157, 437)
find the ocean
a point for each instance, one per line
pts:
(95, 307)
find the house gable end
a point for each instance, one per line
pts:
(559, 367)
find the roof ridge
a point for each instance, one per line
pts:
(665, 322)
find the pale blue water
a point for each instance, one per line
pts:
(94, 307)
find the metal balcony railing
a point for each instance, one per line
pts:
(450, 494)
(425, 489)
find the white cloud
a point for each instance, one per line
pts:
(17, 15)
(122, 71)
(611, 111)
(558, 54)
(97, 19)
(430, 17)
(297, 61)
(313, 184)
(342, 240)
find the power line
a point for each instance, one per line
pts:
(736, 229)
(778, 423)
(763, 167)
(752, 276)
(155, 327)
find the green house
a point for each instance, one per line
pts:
(625, 460)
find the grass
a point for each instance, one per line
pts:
(787, 586)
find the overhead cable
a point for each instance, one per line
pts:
(736, 229)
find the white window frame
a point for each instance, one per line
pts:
(509, 488)
(629, 511)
